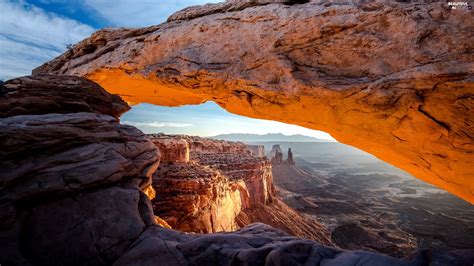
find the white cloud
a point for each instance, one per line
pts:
(132, 13)
(156, 124)
(29, 36)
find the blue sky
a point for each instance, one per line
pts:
(207, 119)
(35, 31)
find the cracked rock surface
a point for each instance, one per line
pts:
(71, 176)
(393, 79)
(72, 187)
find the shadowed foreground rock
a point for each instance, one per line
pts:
(33, 96)
(393, 79)
(71, 180)
(72, 194)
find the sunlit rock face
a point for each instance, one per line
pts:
(393, 79)
(172, 149)
(223, 187)
(195, 198)
(257, 150)
(72, 193)
(202, 145)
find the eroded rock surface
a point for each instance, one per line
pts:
(257, 150)
(77, 199)
(71, 175)
(223, 187)
(393, 79)
(45, 94)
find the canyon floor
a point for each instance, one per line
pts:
(368, 204)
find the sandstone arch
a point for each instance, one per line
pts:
(394, 80)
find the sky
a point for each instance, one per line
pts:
(207, 119)
(33, 32)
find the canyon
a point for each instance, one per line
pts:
(393, 79)
(77, 187)
(367, 204)
(208, 186)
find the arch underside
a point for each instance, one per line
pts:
(393, 80)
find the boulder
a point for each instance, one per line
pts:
(43, 94)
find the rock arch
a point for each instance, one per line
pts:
(395, 80)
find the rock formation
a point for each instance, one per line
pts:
(72, 178)
(375, 234)
(72, 184)
(257, 150)
(218, 190)
(277, 154)
(173, 149)
(289, 160)
(392, 79)
(196, 198)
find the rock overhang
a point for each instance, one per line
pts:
(394, 80)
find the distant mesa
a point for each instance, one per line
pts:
(271, 137)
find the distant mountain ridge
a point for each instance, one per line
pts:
(267, 137)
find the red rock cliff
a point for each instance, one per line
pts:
(393, 79)
(72, 181)
(222, 187)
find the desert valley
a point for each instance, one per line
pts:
(328, 192)
(392, 183)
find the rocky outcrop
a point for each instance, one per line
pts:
(277, 156)
(253, 171)
(257, 150)
(72, 178)
(289, 160)
(196, 198)
(86, 205)
(393, 79)
(33, 95)
(218, 190)
(172, 149)
(224, 7)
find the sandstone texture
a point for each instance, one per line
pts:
(77, 198)
(195, 198)
(393, 79)
(257, 150)
(173, 149)
(34, 95)
(71, 176)
(223, 187)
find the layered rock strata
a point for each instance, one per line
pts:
(72, 178)
(196, 198)
(222, 188)
(257, 150)
(393, 79)
(76, 198)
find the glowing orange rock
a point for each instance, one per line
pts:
(394, 80)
